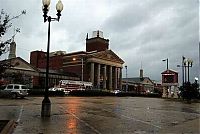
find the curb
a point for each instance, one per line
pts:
(9, 127)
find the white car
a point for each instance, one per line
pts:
(66, 91)
(52, 89)
(16, 90)
(56, 89)
(115, 91)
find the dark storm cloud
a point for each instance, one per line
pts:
(144, 31)
(155, 30)
(135, 13)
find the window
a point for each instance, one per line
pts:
(16, 87)
(10, 87)
(24, 87)
(169, 79)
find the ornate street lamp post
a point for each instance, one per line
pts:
(46, 104)
(188, 63)
(183, 58)
(183, 81)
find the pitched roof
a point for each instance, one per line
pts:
(108, 55)
(169, 71)
(19, 63)
(136, 79)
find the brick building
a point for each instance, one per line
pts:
(139, 85)
(170, 83)
(98, 64)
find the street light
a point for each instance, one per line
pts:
(183, 58)
(74, 59)
(167, 63)
(46, 104)
(188, 63)
(126, 79)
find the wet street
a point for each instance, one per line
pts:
(102, 115)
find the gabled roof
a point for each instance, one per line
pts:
(21, 64)
(75, 53)
(169, 71)
(108, 55)
(137, 79)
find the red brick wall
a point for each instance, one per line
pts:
(98, 44)
(73, 69)
(35, 56)
(77, 70)
(38, 60)
(56, 62)
(174, 78)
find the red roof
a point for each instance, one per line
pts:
(169, 71)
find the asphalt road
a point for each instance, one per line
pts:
(102, 115)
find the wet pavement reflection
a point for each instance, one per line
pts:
(102, 115)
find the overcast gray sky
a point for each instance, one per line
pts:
(140, 31)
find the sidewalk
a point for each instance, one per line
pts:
(7, 126)
(60, 122)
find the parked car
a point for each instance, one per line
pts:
(116, 91)
(59, 89)
(52, 89)
(16, 90)
(56, 89)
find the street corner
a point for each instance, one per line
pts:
(7, 126)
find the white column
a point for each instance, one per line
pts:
(169, 91)
(120, 78)
(92, 73)
(165, 92)
(82, 69)
(110, 78)
(104, 77)
(115, 78)
(98, 75)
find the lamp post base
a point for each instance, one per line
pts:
(46, 107)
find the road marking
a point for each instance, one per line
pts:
(148, 123)
(85, 123)
(132, 118)
(20, 114)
